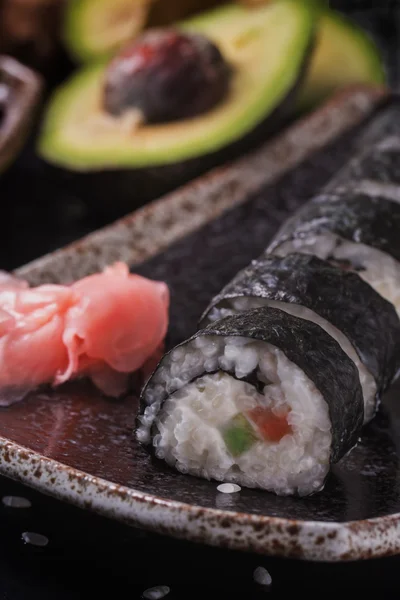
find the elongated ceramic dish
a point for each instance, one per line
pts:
(79, 447)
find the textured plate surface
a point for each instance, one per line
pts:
(78, 446)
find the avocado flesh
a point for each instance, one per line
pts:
(267, 48)
(96, 28)
(344, 54)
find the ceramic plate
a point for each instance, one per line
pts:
(79, 447)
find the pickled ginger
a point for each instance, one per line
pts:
(104, 327)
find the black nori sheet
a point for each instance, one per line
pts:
(368, 321)
(370, 220)
(312, 350)
(251, 378)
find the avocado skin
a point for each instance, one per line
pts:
(163, 13)
(112, 193)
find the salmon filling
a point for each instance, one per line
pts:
(272, 427)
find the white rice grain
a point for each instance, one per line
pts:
(35, 539)
(156, 593)
(228, 488)
(16, 502)
(262, 576)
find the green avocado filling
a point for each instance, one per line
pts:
(238, 435)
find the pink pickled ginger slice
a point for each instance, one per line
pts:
(105, 326)
(31, 348)
(122, 327)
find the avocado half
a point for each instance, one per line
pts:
(344, 54)
(268, 49)
(96, 28)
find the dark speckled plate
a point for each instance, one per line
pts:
(79, 447)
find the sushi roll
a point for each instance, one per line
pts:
(374, 172)
(357, 231)
(380, 165)
(364, 324)
(376, 162)
(262, 398)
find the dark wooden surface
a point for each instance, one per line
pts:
(87, 555)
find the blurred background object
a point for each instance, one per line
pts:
(273, 79)
(353, 49)
(20, 91)
(381, 20)
(173, 104)
(30, 31)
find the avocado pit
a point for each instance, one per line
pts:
(166, 75)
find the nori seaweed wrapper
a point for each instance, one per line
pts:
(341, 297)
(370, 220)
(313, 350)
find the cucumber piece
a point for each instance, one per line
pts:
(238, 435)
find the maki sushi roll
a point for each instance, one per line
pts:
(360, 232)
(376, 168)
(381, 165)
(262, 398)
(364, 324)
(294, 354)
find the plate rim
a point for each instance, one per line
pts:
(320, 541)
(278, 536)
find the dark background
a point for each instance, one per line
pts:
(86, 554)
